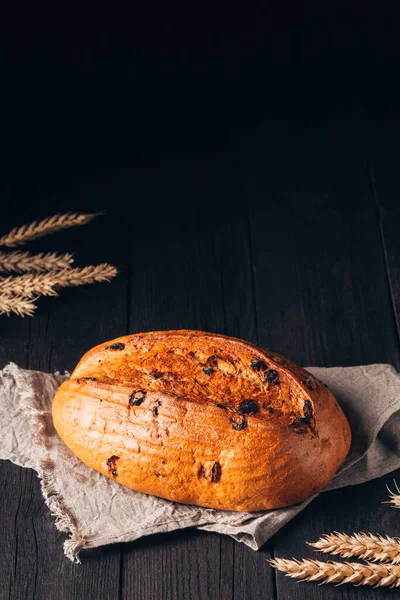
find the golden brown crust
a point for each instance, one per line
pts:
(202, 419)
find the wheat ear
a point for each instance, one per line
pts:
(46, 284)
(364, 545)
(25, 261)
(394, 496)
(339, 573)
(16, 304)
(37, 229)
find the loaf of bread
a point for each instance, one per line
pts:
(202, 419)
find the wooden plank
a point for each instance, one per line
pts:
(251, 578)
(14, 331)
(61, 331)
(182, 564)
(390, 227)
(382, 137)
(15, 482)
(322, 294)
(175, 283)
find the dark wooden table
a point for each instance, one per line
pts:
(282, 229)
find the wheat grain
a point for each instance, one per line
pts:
(29, 285)
(371, 547)
(31, 231)
(339, 573)
(25, 261)
(90, 274)
(394, 496)
(46, 284)
(16, 304)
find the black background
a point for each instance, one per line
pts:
(248, 163)
(88, 91)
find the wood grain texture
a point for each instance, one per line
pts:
(188, 566)
(279, 244)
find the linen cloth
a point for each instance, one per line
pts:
(94, 510)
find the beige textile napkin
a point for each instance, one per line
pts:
(95, 510)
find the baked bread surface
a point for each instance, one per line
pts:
(202, 419)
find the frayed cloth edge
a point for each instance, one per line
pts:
(64, 520)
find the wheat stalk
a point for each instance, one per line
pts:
(46, 284)
(394, 496)
(16, 304)
(85, 275)
(339, 573)
(364, 545)
(32, 231)
(25, 261)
